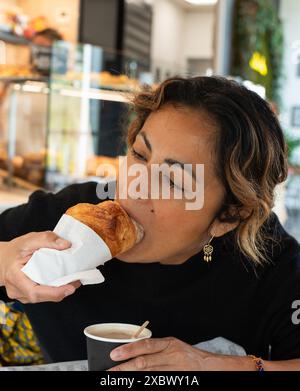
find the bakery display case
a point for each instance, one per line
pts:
(56, 129)
(63, 114)
(24, 88)
(88, 99)
(23, 129)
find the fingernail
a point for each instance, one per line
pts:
(69, 291)
(116, 354)
(61, 242)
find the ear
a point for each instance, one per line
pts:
(219, 228)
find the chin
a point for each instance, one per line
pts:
(133, 256)
(127, 259)
(130, 259)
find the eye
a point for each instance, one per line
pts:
(137, 155)
(172, 184)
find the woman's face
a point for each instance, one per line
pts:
(172, 233)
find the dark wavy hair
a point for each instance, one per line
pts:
(251, 153)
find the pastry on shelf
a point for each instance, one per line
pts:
(3, 154)
(121, 81)
(37, 158)
(18, 162)
(15, 71)
(29, 167)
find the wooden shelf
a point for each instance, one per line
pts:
(23, 79)
(14, 39)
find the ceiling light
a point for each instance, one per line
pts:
(202, 2)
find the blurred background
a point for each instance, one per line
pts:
(69, 67)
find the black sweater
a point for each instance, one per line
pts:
(194, 301)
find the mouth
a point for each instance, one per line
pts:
(131, 215)
(140, 233)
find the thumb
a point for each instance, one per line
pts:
(36, 240)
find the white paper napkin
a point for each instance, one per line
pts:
(79, 262)
(221, 345)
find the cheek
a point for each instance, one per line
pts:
(173, 221)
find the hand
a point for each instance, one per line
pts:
(159, 354)
(15, 254)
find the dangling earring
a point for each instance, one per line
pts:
(208, 250)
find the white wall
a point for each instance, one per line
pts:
(198, 34)
(179, 34)
(167, 34)
(290, 15)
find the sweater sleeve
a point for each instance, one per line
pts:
(285, 322)
(43, 210)
(283, 306)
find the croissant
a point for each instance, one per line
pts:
(111, 222)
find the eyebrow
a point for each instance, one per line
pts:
(168, 160)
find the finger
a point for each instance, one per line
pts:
(143, 363)
(48, 293)
(75, 284)
(40, 293)
(23, 300)
(139, 348)
(36, 240)
(12, 292)
(17, 283)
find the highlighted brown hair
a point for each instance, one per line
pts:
(250, 148)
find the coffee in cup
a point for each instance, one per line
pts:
(102, 338)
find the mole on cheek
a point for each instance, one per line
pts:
(152, 210)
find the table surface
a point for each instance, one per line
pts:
(217, 345)
(61, 366)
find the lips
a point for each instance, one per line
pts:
(139, 231)
(138, 226)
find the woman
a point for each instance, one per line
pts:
(245, 293)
